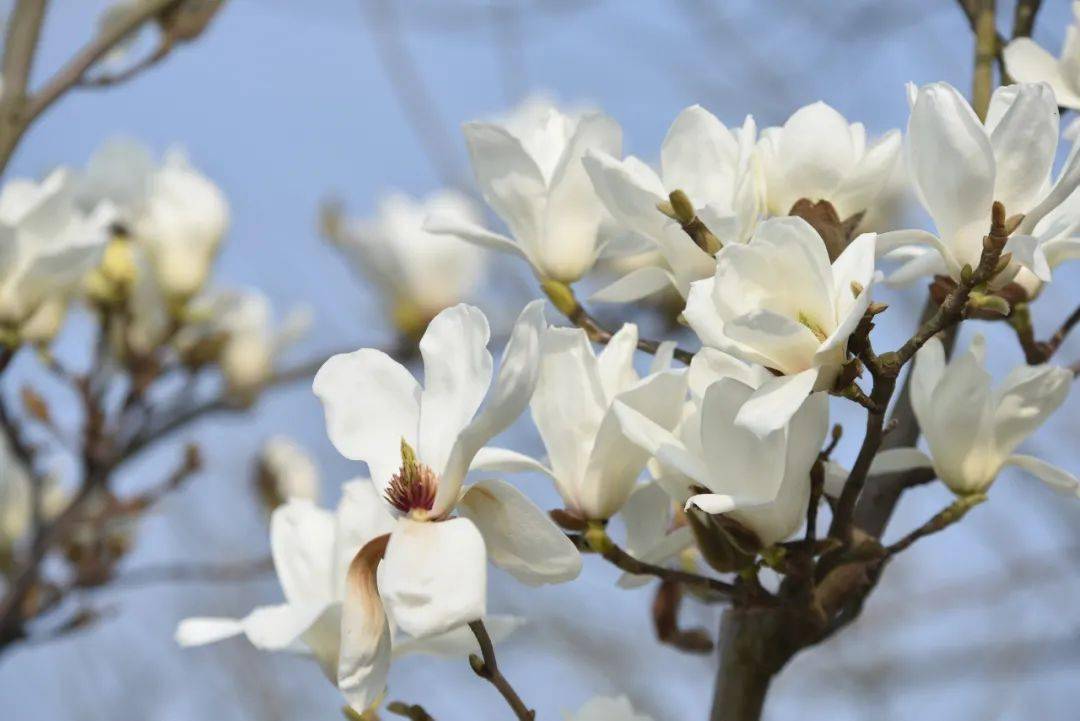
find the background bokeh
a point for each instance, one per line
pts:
(285, 103)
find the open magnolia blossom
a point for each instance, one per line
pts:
(607, 708)
(593, 464)
(778, 302)
(176, 214)
(419, 443)
(971, 428)
(289, 469)
(529, 170)
(654, 533)
(313, 550)
(716, 168)
(960, 167)
(47, 243)
(763, 482)
(1027, 62)
(417, 272)
(818, 155)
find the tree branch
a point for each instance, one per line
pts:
(488, 668)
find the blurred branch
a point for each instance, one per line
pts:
(412, 92)
(194, 572)
(987, 48)
(20, 44)
(1024, 17)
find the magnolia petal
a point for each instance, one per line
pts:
(660, 443)
(434, 575)
(950, 159)
(362, 515)
(616, 461)
(863, 184)
(646, 515)
(1024, 142)
(371, 403)
(925, 376)
(710, 365)
(569, 387)
(508, 177)
(1026, 398)
(458, 641)
(698, 155)
(503, 460)
(629, 189)
(635, 285)
(472, 233)
(702, 316)
(615, 362)
(713, 503)
(364, 660)
(281, 628)
(505, 401)
(201, 631)
(1057, 478)
(457, 373)
(898, 460)
(1028, 62)
(302, 546)
(520, 538)
(773, 340)
(666, 548)
(1027, 250)
(776, 401)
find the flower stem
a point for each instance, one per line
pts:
(488, 668)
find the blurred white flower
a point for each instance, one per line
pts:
(417, 272)
(253, 342)
(971, 428)
(593, 464)
(317, 557)
(177, 214)
(960, 167)
(419, 443)
(716, 168)
(763, 482)
(16, 498)
(529, 171)
(1027, 62)
(818, 155)
(289, 468)
(47, 244)
(607, 708)
(778, 302)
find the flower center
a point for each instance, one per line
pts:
(815, 328)
(412, 489)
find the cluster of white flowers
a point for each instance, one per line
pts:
(741, 224)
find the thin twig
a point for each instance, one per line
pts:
(488, 668)
(941, 520)
(596, 540)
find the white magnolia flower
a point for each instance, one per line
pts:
(314, 552)
(253, 342)
(607, 708)
(16, 499)
(717, 169)
(290, 469)
(529, 171)
(47, 244)
(171, 209)
(433, 575)
(972, 428)
(818, 155)
(960, 167)
(1027, 62)
(593, 464)
(778, 302)
(418, 273)
(761, 482)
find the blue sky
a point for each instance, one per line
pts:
(286, 103)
